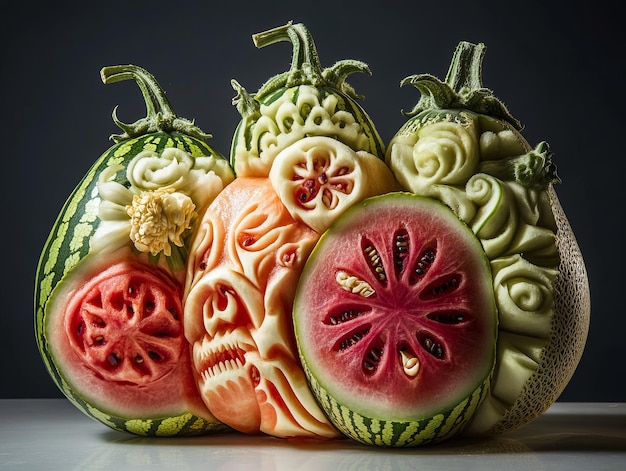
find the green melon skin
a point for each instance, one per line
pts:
(365, 422)
(65, 258)
(396, 433)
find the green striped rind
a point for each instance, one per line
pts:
(185, 424)
(68, 244)
(391, 433)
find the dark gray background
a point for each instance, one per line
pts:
(558, 69)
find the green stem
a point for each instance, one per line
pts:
(160, 115)
(337, 74)
(305, 68)
(465, 72)
(305, 63)
(304, 53)
(156, 101)
(462, 89)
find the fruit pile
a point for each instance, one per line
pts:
(317, 282)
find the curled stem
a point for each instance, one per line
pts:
(304, 56)
(305, 68)
(159, 113)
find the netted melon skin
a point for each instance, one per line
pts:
(570, 326)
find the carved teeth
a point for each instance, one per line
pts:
(212, 360)
(221, 367)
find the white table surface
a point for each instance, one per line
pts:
(51, 434)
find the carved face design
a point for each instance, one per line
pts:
(243, 269)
